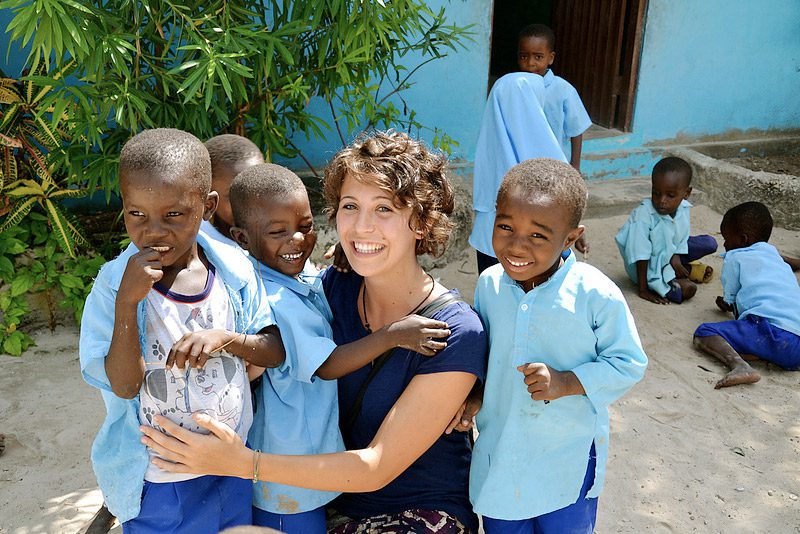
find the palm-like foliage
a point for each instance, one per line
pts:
(33, 129)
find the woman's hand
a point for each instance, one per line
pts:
(219, 453)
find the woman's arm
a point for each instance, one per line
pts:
(415, 422)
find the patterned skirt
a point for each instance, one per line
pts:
(410, 521)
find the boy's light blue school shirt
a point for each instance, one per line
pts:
(648, 235)
(296, 412)
(530, 457)
(564, 110)
(513, 128)
(119, 458)
(759, 282)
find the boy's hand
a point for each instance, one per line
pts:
(722, 305)
(582, 245)
(545, 383)
(340, 262)
(680, 269)
(142, 271)
(417, 333)
(646, 294)
(464, 419)
(195, 348)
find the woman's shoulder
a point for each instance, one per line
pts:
(338, 285)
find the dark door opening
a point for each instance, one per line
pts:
(598, 44)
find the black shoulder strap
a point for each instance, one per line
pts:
(437, 304)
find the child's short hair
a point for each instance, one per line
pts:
(541, 31)
(169, 153)
(229, 149)
(751, 218)
(406, 169)
(549, 178)
(266, 180)
(673, 164)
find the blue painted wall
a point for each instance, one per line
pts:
(712, 66)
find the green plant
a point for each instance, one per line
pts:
(33, 130)
(253, 67)
(30, 264)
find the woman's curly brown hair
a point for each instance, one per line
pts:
(409, 171)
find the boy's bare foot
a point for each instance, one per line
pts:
(646, 294)
(741, 374)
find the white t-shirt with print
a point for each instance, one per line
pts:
(220, 389)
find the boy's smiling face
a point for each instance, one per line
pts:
(668, 190)
(164, 214)
(534, 55)
(529, 236)
(279, 232)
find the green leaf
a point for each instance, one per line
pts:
(21, 284)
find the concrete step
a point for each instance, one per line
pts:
(620, 196)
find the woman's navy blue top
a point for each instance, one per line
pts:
(439, 479)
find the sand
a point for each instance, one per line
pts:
(684, 457)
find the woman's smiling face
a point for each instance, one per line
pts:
(374, 232)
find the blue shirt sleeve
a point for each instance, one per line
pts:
(634, 238)
(682, 226)
(576, 119)
(620, 361)
(306, 334)
(97, 328)
(730, 278)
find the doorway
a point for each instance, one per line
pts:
(598, 45)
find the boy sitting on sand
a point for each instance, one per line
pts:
(655, 244)
(761, 291)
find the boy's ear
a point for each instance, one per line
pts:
(574, 235)
(240, 236)
(210, 205)
(688, 192)
(552, 58)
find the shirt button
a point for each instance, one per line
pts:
(524, 307)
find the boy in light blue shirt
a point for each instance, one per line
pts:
(563, 347)
(562, 105)
(296, 407)
(763, 294)
(154, 328)
(655, 244)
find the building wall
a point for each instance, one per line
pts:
(714, 66)
(710, 68)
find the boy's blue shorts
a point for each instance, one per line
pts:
(757, 336)
(201, 505)
(311, 522)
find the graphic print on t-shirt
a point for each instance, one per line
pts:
(220, 388)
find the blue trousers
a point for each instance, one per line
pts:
(204, 505)
(577, 518)
(311, 522)
(699, 246)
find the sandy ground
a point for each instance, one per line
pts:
(684, 457)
